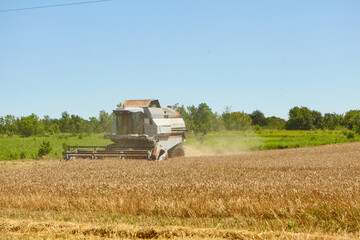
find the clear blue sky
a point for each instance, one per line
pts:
(266, 55)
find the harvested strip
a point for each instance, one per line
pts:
(53, 230)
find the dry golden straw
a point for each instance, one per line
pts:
(297, 190)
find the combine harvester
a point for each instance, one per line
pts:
(141, 130)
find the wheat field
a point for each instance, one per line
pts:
(306, 193)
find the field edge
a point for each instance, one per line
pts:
(28, 229)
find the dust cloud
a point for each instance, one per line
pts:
(223, 144)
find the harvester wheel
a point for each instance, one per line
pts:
(177, 151)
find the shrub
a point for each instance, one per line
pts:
(350, 135)
(44, 149)
(256, 127)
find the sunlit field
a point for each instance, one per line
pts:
(303, 193)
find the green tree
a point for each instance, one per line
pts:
(332, 120)
(76, 124)
(47, 122)
(50, 125)
(352, 120)
(202, 118)
(184, 114)
(236, 120)
(94, 125)
(317, 120)
(11, 124)
(2, 125)
(258, 118)
(218, 122)
(64, 123)
(54, 128)
(29, 125)
(40, 128)
(301, 119)
(275, 123)
(106, 121)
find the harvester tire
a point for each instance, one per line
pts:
(177, 151)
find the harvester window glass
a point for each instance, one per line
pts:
(130, 123)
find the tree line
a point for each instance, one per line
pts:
(202, 119)
(198, 119)
(31, 125)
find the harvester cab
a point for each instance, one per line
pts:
(142, 129)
